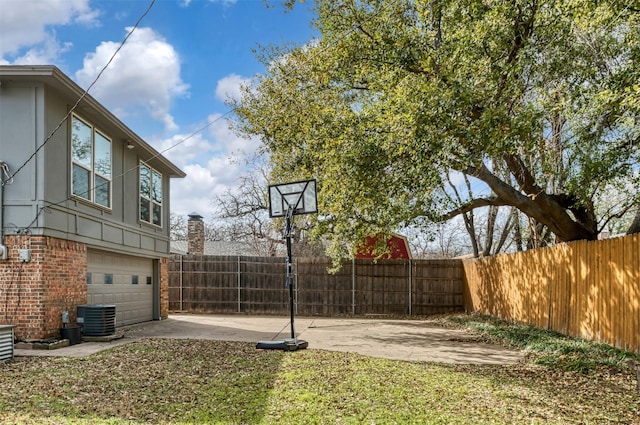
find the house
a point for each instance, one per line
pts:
(397, 247)
(84, 207)
(197, 244)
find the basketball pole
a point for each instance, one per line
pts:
(294, 343)
(289, 230)
(286, 200)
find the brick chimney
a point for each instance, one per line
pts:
(195, 234)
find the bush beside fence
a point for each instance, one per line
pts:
(226, 284)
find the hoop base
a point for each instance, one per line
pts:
(285, 345)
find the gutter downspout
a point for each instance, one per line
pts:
(3, 248)
(4, 172)
(1, 209)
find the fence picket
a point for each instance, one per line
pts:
(256, 285)
(588, 289)
(584, 289)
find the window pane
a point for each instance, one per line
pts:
(81, 142)
(102, 190)
(81, 178)
(103, 156)
(144, 210)
(145, 181)
(157, 187)
(157, 214)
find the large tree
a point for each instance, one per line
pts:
(536, 101)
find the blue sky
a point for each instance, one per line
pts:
(172, 76)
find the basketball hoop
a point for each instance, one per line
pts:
(287, 200)
(300, 196)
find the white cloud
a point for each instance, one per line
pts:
(192, 193)
(185, 149)
(197, 191)
(212, 160)
(48, 52)
(25, 24)
(211, 138)
(229, 87)
(231, 143)
(144, 76)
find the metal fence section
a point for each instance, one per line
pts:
(232, 284)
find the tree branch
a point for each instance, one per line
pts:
(475, 203)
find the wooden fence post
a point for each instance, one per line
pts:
(353, 286)
(181, 275)
(239, 286)
(295, 279)
(410, 287)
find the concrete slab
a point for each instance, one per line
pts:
(413, 340)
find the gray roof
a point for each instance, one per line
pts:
(215, 248)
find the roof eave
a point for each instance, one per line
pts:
(63, 82)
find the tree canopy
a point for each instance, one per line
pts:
(537, 102)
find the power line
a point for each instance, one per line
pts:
(232, 110)
(191, 135)
(84, 94)
(71, 110)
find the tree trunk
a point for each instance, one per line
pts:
(536, 203)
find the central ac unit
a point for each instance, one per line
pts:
(6, 342)
(97, 319)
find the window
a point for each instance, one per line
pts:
(91, 163)
(150, 195)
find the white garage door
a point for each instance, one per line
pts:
(123, 280)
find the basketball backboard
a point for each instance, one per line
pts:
(301, 196)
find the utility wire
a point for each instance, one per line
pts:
(190, 136)
(84, 94)
(232, 110)
(71, 110)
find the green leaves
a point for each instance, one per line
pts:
(395, 95)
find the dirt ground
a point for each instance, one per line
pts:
(414, 340)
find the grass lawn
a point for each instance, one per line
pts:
(189, 381)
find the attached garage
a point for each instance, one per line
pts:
(124, 280)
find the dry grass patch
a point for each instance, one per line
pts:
(188, 381)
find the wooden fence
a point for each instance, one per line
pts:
(583, 289)
(225, 284)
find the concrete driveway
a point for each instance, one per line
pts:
(414, 340)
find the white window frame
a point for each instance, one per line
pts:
(91, 167)
(150, 198)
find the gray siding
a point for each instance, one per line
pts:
(20, 131)
(29, 112)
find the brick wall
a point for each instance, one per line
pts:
(195, 234)
(34, 294)
(164, 288)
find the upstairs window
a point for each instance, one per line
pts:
(150, 195)
(91, 163)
